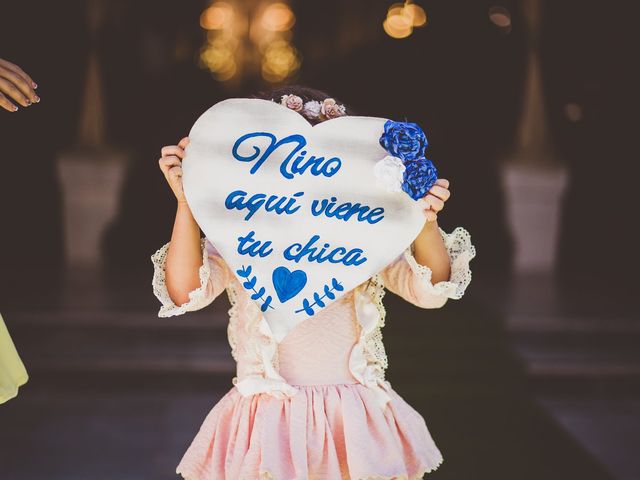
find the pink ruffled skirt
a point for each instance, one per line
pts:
(323, 432)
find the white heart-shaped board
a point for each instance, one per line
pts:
(294, 209)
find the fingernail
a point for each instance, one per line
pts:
(28, 102)
(37, 100)
(35, 85)
(15, 109)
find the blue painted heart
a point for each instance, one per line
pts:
(288, 284)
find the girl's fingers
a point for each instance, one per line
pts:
(432, 202)
(171, 167)
(175, 172)
(170, 160)
(9, 89)
(175, 178)
(443, 182)
(184, 142)
(6, 104)
(430, 215)
(167, 163)
(441, 192)
(172, 150)
(435, 203)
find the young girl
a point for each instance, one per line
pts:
(316, 405)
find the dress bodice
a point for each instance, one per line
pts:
(317, 351)
(340, 344)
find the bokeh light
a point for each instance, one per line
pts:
(573, 112)
(278, 17)
(394, 31)
(251, 38)
(417, 14)
(280, 61)
(402, 18)
(501, 18)
(217, 16)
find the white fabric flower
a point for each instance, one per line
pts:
(389, 173)
(312, 109)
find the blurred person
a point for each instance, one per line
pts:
(336, 417)
(16, 87)
(12, 372)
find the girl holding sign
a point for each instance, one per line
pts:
(315, 404)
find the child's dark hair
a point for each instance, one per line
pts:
(307, 94)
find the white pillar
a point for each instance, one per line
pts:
(533, 180)
(91, 175)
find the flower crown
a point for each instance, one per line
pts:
(314, 110)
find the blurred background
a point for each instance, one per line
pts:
(531, 111)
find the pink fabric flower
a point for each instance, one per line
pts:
(330, 109)
(292, 102)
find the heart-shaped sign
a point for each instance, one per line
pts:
(294, 209)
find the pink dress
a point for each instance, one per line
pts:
(315, 405)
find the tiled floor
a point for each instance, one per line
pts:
(608, 427)
(581, 351)
(100, 435)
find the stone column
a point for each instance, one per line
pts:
(91, 174)
(533, 179)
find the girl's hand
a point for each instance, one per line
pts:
(16, 85)
(434, 201)
(171, 166)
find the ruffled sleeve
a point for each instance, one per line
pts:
(214, 277)
(412, 281)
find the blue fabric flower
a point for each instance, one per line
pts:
(419, 176)
(404, 140)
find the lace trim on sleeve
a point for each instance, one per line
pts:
(461, 252)
(197, 298)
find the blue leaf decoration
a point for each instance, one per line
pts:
(258, 294)
(266, 304)
(250, 284)
(318, 300)
(329, 294)
(307, 307)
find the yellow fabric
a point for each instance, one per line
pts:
(12, 372)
